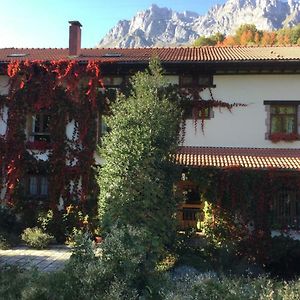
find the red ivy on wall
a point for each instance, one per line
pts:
(68, 90)
(192, 97)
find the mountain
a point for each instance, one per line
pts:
(164, 27)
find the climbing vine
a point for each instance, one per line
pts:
(68, 92)
(242, 204)
(192, 97)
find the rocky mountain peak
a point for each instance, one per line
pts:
(158, 26)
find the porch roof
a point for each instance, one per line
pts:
(247, 158)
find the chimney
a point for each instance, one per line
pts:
(74, 38)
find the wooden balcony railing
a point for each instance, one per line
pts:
(189, 216)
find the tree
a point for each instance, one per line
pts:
(268, 38)
(246, 38)
(247, 34)
(212, 40)
(245, 28)
(257, 38)
(230, 41)
(205, 41)
(136, 180)
(295, 34)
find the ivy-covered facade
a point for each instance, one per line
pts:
(51, 119)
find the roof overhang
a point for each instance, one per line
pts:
(244, 158)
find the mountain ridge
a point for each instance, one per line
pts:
(156, 26)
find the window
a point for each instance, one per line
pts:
(40, 127)
(283, 119)
(207, 113)
(196, 80)
(102, 128)
(38, 186)
(112, 81)
(286, 209)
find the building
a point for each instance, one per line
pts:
(243, 116)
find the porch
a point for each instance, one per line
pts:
(260, 185)
(189, 216)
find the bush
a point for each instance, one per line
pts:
(284, 257)
(83, 247)
(8, 240)
(92, 281)
(208, 287)
(8, 221)
(128, 261)
(36, 238)
(61, 224)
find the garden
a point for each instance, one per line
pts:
(130, 247)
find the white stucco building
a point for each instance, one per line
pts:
(261, 134)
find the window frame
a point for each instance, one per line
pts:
(282, 136)
(112, 81)
(282, 117)
(39, 178)
(188, 113)
(195, 80)
(285, 209)
(38, 135)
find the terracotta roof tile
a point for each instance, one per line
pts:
(196, 54)
(249, 158)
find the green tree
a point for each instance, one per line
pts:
(136, 179)
(209, 41)
(204, 41)
(295, 34)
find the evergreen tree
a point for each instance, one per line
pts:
(136, 179)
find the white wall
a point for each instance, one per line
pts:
(3, 119)
(245, 126)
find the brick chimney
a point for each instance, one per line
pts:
(74, 38)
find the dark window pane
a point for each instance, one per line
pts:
(276, 124)
(283, 119)
(204, 80)
(46, 121)
(188, 113)
(44, 186)
(37, 124)
(33, 185)
(187, 80)
(285, 209)
(288, 124)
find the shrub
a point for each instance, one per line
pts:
(83, 247)
(127, 260)
(92, 281)
(7, 219)
(8, 240)
(61, 224)
(208, 287)
(36, 238)
(284, 256)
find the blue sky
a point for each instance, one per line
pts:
(44, 23)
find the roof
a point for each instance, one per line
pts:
(247, 158)
(196, 54)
